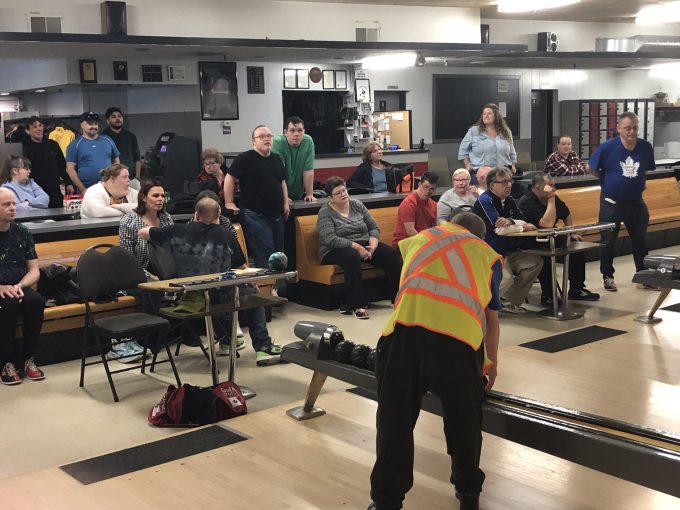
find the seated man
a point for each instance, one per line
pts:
(18, 272)
(205, 247)
(543, 208)
(502, 216)
(417, 211)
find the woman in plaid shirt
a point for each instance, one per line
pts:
(564, 160)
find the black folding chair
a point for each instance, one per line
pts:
(104, 273)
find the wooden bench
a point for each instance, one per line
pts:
(662, 197)
(317, 278)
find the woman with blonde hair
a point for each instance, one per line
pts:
(461, 197)
(370, 174)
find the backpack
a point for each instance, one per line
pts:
(58, 282)
(192, 406)
(399, 178)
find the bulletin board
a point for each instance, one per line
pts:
(457, 103)
(395, 128)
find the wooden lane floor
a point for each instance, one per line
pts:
(633, 377)
(325, 463)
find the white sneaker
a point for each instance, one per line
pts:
(513, 309)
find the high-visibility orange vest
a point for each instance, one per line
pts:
(445, 283)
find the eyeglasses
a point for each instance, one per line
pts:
(264, 137)
(461, 180)
(339, 192)
(209, 163)
(504, 181)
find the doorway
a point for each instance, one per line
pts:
(321, 112)
(543, 116)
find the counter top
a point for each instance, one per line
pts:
(357, 152)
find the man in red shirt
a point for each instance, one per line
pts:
(417, 211)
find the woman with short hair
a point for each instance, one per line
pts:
(211, 170)
(461, 197)
(111, 196)
(348, 236)
(16, 176)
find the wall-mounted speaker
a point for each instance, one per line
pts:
(547, 41)
(114, 18)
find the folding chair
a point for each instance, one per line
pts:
(105, 273)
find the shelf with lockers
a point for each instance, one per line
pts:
(592, 122)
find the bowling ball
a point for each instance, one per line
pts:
(370, 359)
(278, 261)
(342, 351)
(335, 339)
(358, 355)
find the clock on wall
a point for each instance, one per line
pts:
(362, 91)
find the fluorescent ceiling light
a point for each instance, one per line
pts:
(511, 6)
(658, 14)
(4, 93)
(391, 61)
(664, 70)
(39, 90)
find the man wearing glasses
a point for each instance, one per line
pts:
(502, 216)
(296, 150)
(417, 211)
(264, 196)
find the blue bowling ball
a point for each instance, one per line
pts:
(278, 261)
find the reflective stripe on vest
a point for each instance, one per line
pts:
(445, 284)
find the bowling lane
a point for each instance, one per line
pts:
(633, 377)
(325, 463)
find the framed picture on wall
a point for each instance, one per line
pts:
(289, 79)
(340, 79)
(329, 79)
(362, 91)
(302, 79)
(120, 70)
(219, 90)
(88, 71)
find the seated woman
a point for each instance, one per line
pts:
(149, 212)
(16, 175)
(112, 196)
(461, 197)
(348, 236)
(370, 175)
(211, 161)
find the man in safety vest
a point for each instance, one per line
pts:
(445, 318)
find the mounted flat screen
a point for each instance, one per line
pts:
(457, 103)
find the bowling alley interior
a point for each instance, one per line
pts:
(391, 99)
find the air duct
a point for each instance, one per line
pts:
(637, 43)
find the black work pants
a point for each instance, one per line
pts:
(349, 260)
(31, 308)
(635, 216)
(411, 361)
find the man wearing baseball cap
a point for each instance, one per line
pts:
(126, 142)
(89, 153)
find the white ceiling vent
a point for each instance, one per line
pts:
(39, 23)
(367, 32)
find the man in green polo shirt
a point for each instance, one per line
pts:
(296, 150)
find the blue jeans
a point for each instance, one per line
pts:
(264, 235)
(635, 217)
(255, 319)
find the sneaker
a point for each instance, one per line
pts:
(514, 309)
(644, 286)
(270, 356)
(468, 501)
(545, 301)
(583, 295)
(32, 371)
(361, 313)
(239, 332)
(224, 347)
(9, 375)
(125, 353)
(609, 284)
